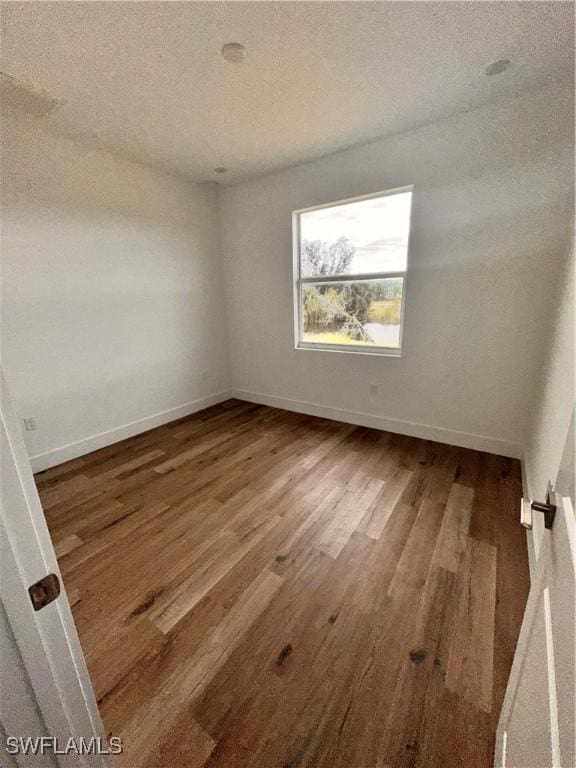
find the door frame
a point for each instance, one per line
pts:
(47, 639)
(535, 599)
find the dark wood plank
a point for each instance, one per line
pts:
(258, 587)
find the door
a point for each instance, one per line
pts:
(46, 689)
(538, 718)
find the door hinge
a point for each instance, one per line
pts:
(528, 506)
(44, 591)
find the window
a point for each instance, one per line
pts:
(350, 270)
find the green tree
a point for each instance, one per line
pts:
(357, 299)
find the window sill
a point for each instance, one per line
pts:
(349, 349)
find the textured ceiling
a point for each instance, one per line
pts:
(146, 79)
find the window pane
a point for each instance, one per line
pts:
(356, 238)
(363, 312)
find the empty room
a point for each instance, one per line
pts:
(287, 399)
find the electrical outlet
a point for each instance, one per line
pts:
(30, 424)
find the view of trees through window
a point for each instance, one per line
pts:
(366, 312)
(352, 263)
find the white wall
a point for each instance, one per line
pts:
(550, 441)
(112, 294)
(490, 223)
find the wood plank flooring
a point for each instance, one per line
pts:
(258, 588)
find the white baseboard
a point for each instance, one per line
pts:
(424, 431)
(103, 439)
(439, 434)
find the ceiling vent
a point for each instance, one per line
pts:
(497, 67)
(234, 52)
(21, 96)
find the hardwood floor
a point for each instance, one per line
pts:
(254, 587)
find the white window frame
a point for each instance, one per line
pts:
(299, 281)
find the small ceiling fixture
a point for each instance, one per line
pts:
(497, 67)
(234, 52)
(220, 169)
(25, 97)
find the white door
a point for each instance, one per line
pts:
(537, 727)
(46, 690)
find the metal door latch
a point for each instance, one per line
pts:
(527, 506)
(44, 591)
